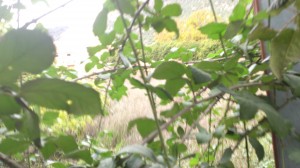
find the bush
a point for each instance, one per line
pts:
(190, 37)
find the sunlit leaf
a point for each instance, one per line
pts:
(213, 30)
(172, 10)
(158, 4)
(100, 23)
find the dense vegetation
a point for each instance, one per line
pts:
(211, 107)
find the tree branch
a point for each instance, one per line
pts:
(9, 162)
(45, 14)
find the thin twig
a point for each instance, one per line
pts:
(207, 110)
(152, 135)
(45, 14)
(216, 20)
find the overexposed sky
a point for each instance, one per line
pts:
(76, 18)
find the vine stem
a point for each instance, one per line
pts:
(216, 20)
(149, 94)
(247, 146)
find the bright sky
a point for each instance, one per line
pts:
(78, 16)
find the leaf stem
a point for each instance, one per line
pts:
(246, 146)
(216, 20)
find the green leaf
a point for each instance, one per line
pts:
(161, 93)
(199, 76)
(49, 118)
(48, 149)
(107, 38)
(158, 4)
(20, 50)
(261, 32)
(62, 95)
(57, 165)
(294, 82)
(100, 23)
(203, 137)
(226, 156)
(233, 28)
(272, 115)
(107, 163)
(135, 161)
(220, 131)
(171, 26)
(171, 10)
(89, 66)
(238, 12)
(30, 127)
(247, 111)
(213, 30)
(84, 155)
(145, 126)
(66, 143)
(126, 6)
(169, 70)
(10, 146)
(285, 48)
(173, 86)
(8, 105)
(119, 26)
(259, 149)
(139, 150)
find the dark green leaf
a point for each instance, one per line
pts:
(138, 149)
(213, 30)
(59, 94)
(30, 127)
(158, 4)
(161, 93)
(247, 111)
(285, 48)
(294, 83)
(84, 155)
(21, 49)
(8, 105)
(261, 32)
(233, 28)
(199, 76)
(172, 10)
(145, 126)
(259, 149)
(173, 86)
(48, 149)
(226, 156)
(10, 146)
(273, 117)
(169, 70)
(100, 23)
